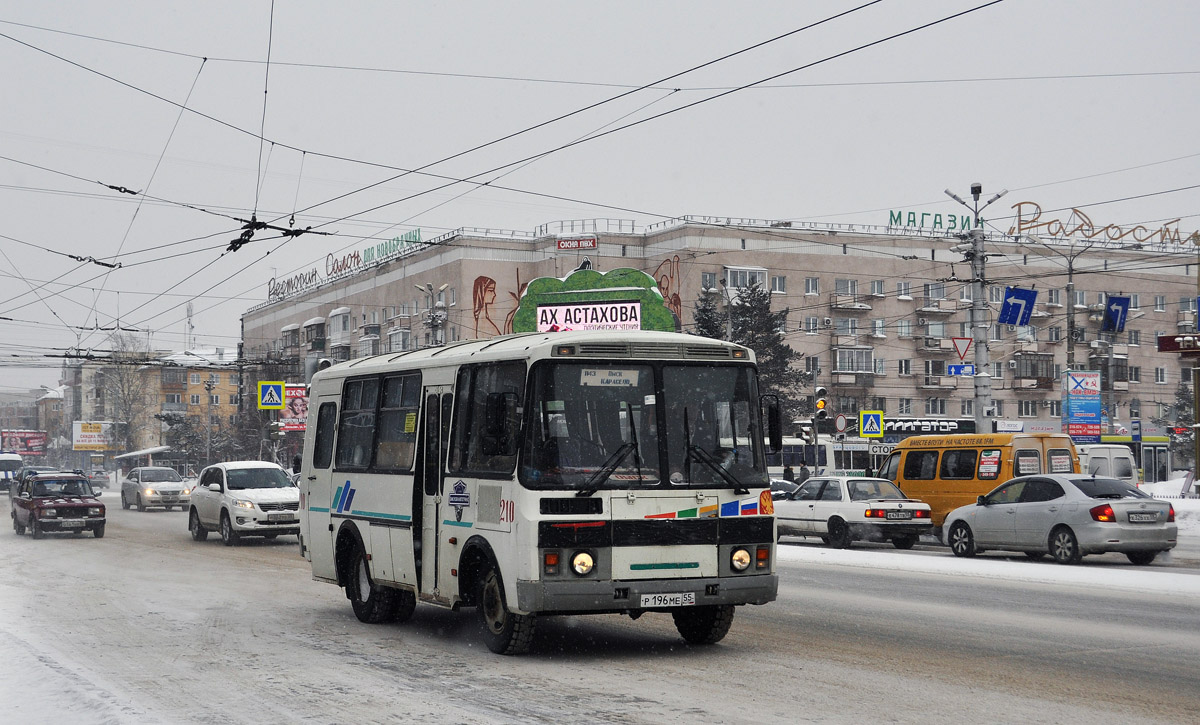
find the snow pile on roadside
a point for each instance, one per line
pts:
(1187, 510)
(1156, 580)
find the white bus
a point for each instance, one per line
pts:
(544, 473)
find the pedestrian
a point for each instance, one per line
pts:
(803, 475)
(789, 474)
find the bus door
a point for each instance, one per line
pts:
(428, 486)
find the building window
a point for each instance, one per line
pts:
(1160, 375)
(810, 325)
(1160, 303)
(904, 328)
(1053, 297)
(904, 290)
(812, 364)
(1135, 301)
(935, 328)
(1027, 333)
(994, 332)
(1055, 408)
(743, 278)
(877, 288)
(879, 328)
(452, 296)
(999, 406)
(194, 378)
(965, 293)
(1187, 304)
(878, 402)
(1027, 408)
(1135, 373)
(904, 367)
(708, 280)
(968, 408)
(934, 369)
(812, 285)
(935, 406)
(1080, 298)
(996, 294)
(174, 398)
(847, 326)
(904, 406)
(195, 400)
(935, 290)
(1135, 408)
(880, 366)
(1053, 334)
(1135, 337)
(845, 286)
(855, 360)
(998, 370)
(214, 399)
(234, 399)
(779, 285)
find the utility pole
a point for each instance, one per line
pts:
(209, 384)
(435, 317)
(728, 311)
(979, 324)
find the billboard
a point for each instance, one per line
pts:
(24, 442)
(1081, 412)
(294, 415)
(91, 435)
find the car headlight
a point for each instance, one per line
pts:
(49, 512)
(185, 491)
(582, 563)
(149, 492)
(95, 511)
(243, 503)
(740, 560)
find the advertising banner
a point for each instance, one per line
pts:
(24, 442)
(91, 435)
(294, 415)
(1081, 408)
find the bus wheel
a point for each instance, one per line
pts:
(504, 632)
(703, 625)
(372, 603)
(406, 604)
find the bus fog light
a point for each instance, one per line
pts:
(740, 560)
(582, 563)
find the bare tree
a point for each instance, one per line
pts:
(129, 385)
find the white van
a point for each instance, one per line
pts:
(1111, 460)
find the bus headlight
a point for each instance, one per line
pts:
(582, 563)
(740, 560)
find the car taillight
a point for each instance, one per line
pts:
(1103, 513)
(1170, 513)
(920, 514)
(875, 514)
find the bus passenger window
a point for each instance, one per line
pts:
(1028, 462)
(357, 430)
(326, 419)
(467, 453)
(920, 465)
(958, 464)
(397, 439)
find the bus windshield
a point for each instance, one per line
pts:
(639, 425)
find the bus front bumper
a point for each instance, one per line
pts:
(562, 597)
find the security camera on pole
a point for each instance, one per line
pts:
(979, 324)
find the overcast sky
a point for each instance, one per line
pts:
(1064, 103)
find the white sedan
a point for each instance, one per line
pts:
(841, 509)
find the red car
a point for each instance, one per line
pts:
(57, 502)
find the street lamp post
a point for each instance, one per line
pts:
(979, 325)
(1110, 403)
(435, 317)
(208, 386)
(1070, 260)
(728, 311)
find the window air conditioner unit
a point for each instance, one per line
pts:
(1012, 364)
(828, 322)
(1045, 403)
(921, 322)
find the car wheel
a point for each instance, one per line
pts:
(229, 537)
(199, 533)
(98, 532)
(1064, 547)
(36, 529)
(268, 537)
(1141, 558)
(904, 542)
(504, 632)
(371, 603)
(17, 526)
(703, 625)
(140, 506)
(1035, 555)
(124, 501)
(839, 534)
(961, 540)
(167, 508)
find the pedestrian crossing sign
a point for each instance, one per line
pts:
(870, 423)
(270, 395)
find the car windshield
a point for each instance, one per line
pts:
(160, 475)
(56, 488)
(9, 465)
(240, 478)
(873, 489)
(627, 425)
(1107, 488)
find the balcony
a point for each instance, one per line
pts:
(853, 379)
(849, 302)
(840, 340)
(939, 382)
(937, 344)
(936, 306)
(1186, 319)
(1040, 385)
(1121, 385)
(1027, 346)
(317, 344)
(174, 407)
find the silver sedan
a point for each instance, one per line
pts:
(1065, 515)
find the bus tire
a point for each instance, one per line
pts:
(504, 632)
(406, 604)
(371, 602)
(703, 625)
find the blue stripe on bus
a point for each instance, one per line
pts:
(452, 522)
(378, 515)
(337, 497)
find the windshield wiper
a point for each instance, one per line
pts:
(593, 483)
(706, 458)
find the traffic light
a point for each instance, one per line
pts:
(808, 433)
(276, 430)
(821, 406)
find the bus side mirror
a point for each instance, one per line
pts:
(770, 404)
(498, 439)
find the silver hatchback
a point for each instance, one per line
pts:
(1067, 516)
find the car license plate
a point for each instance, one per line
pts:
(281, 517)
(72, 524)
(892, 515)
(1143, 518)
(677, 599)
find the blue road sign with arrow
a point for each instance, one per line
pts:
(1116, 310)
(967, 370)
(1017, 307)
